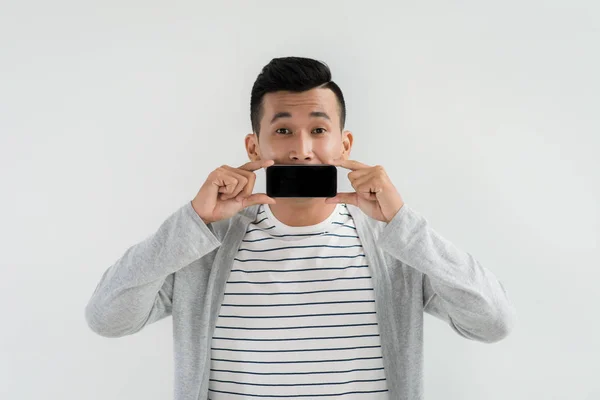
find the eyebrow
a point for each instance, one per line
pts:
(315, 114)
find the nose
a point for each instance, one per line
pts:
(301, 148)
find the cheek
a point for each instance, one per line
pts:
(270, 151)
(327, 149)
(328, 146)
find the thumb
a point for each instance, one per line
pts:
(257, 198)
(348, 198)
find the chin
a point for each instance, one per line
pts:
(307, 199)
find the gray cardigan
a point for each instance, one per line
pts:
(181, 271)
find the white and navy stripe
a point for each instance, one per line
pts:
(298, 317)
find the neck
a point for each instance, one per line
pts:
(301, 211)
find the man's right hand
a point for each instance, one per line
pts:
(228, 190)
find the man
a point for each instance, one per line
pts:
(298, 297)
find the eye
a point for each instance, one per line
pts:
(321, 130)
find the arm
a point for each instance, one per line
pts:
(456, 288)
(138, 288)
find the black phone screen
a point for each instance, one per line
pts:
(301, 180)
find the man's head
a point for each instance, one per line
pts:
(297, 113)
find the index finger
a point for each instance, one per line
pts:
(350, 164)
(254, 165)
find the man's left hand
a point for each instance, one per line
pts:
(375, 194)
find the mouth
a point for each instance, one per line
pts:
(292, 163)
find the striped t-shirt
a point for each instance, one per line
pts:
(298, 315)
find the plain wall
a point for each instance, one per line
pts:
(485, 116)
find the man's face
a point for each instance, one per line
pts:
(300, 128)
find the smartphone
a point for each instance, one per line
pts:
(301, 180)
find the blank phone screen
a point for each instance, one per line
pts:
(301, 181)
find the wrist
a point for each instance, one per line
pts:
(199, 216)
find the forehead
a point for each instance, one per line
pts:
(317, 99)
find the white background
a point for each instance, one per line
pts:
(485, 115)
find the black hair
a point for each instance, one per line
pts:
(295, 74)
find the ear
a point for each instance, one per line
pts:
(252, 147)
(347, 140)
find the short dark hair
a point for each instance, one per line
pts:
(295, 74)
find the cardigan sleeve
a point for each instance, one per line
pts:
(456, 287)
(138, 288)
